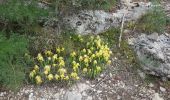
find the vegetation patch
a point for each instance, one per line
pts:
(57, 65)
(11, 61)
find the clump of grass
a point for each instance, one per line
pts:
(20, 16)
(153, 21)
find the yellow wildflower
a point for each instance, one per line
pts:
(47, 68)
(109, 62)
(62, 71)
(54, 65)
(45, 72)
(73, 54)
(38, 80)
(94, 62)
(93, 56)
(55, 57)
(49, 58)
(62, 49)
(89, 51)
(84, 70)
(80, 58)
(50, 77)
(98, 69)
(48, 53)
(32, 73)
(62, 76)
(60, 58)
(86, 60)
(40, 57)
(74, 75)
(36, 67)
(58, 50)
(84, 50)
(66, 78)
(57, 77)
(61, 63)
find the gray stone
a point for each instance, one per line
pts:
(88, 21)
(162, 89)
(153, 53)
(156, 97)
(71, 95)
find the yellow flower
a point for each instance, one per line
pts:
(74, 62)
(98, 69)
(94, 62)
(86, 60)
(45, 72)
(93, 56)
(55, 57)
(32, 73)
(74, 75)
(50, 77)
(40, 57)
(38, 80)
(84, 50)
(89, 51)
(66, 78)
(91, 48)
(60, 58)
(47, 68)
(58, 50)
(57, 77)
(109, 62)
(73, 54)
(62, 76)
(49, 58)
(36, 67)
(62, 71)
(77, 78)
(54, 65)
(62, 49)
(84, 70)
(75, 66)
(110, 52)
(48, 53)
(80, 58)
(62, 63)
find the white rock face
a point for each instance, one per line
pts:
(98, 21)
(153, 52)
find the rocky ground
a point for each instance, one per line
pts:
(120, 81)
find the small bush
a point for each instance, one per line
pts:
(11, 61)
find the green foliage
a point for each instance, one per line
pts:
(11, 61)
(65, 6)
(154, 21)
(20, 15)
(111, 36)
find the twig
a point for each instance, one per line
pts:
(121, 32)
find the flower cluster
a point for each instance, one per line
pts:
(50, 67)
(94, 57)
(57, 66)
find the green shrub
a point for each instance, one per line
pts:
(153, 21)
(11, 61)
(20, 15)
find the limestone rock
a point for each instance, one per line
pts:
(153, 52)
